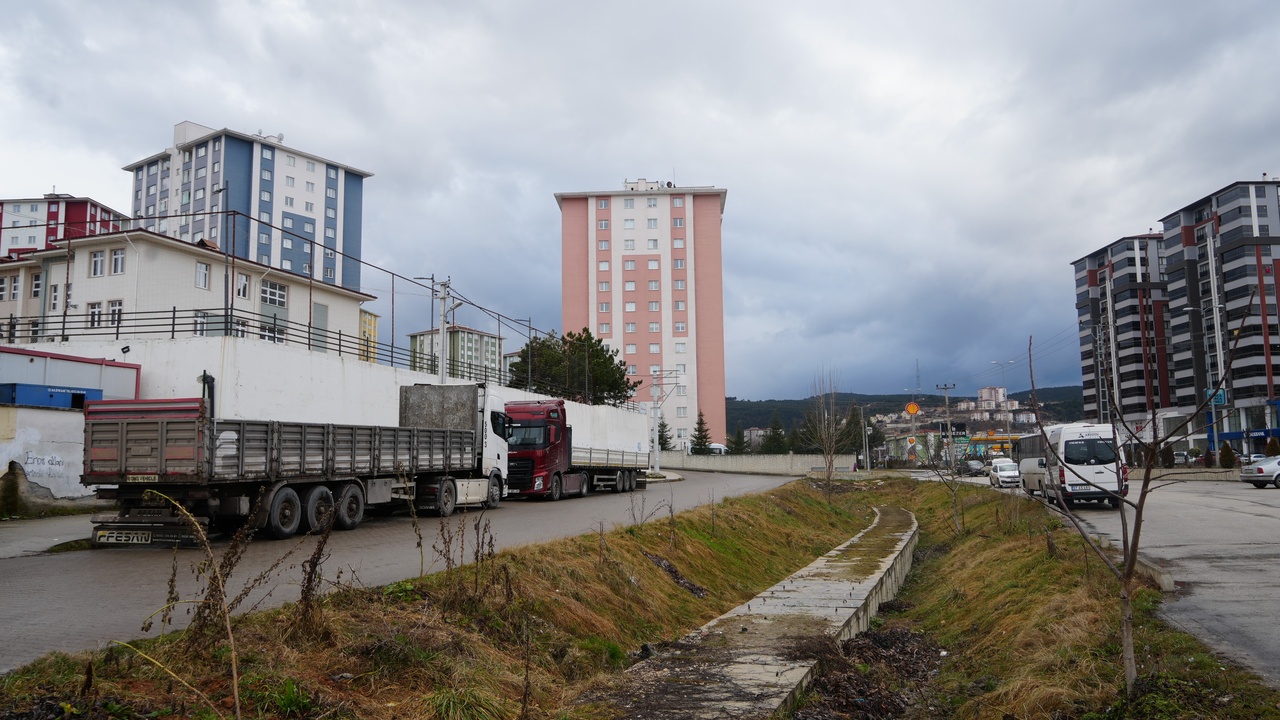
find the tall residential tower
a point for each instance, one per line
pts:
(642, 270)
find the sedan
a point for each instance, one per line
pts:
(1255, 458)
(1004, 473)
(971, 468)
(1262, 474)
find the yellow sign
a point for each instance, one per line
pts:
(912, 408)
(911, 441)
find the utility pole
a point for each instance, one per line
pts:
(946, 389)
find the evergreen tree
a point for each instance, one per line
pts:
(775, 440)
(576, 366)
(664, 435)
(738, 443)
(700, 443)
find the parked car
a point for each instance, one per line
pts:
(1004, 473)
(971, 468)
(1255, 458)
(1181, 458)
(1263, 473)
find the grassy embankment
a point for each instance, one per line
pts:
(1031, 629)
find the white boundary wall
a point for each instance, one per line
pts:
(789, 464)
(48, 444)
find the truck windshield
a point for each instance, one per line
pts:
(527, 435)
(1089, 451)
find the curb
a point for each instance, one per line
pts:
(1145, 566)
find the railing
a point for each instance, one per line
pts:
(108, 325)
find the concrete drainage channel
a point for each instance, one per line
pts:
(749, 662)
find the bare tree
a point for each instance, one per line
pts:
(1131, 532)
(826, 428)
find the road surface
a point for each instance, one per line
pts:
(83, 600)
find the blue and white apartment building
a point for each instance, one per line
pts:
(292, 210)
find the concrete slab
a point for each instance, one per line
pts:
(752, 661)
(34, 536)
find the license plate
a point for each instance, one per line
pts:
(1081, 488)
(143, 478)
(124, 537)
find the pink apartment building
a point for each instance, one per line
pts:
(642, 271)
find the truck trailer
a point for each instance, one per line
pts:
(286, 477)
(553, 455)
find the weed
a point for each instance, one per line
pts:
(463, 704)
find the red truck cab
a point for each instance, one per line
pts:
(540, 451)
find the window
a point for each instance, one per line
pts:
(53, 297)
(629, 285)
(264, 195)
(681, 368)
(273, 293)
(288, 181)
(286, 243)
(628, 224)
(604, 307)
(655, 348)
(603, 203)
(306, 247)
(4, 280)
(264, 259)
(603, 287)
(35, 284)
(628, 244)
(678, 284)
(202, 151)
(602, 245)
(97, 263)
(677, 202)
(199, 194)
(631, 369)
(629, 327)
(217, 145)
(629, 349)
(217, 167)
(151, 189)
(328, 252)
(653, 264)
(311, 187)
(311, 166)
(201, 323)
(239, 328)
(14, 284)
(680, 347)
(271, 333)
(202, 171)
(286, 264)
(117, 261)
(604, 328)
(310, 207)
(266, 153)
(333, 173)
(653, 243)
(330, 233)
(654, 306)
(677, 264)
(602, 225)
(677, 222)
(330, 213)
(603, 266)
(655, 327)
(629, 307)
(138, 174)
(290, 160)
(242, 286)
(680, 327)
(652, 223)
(115, 311)
(655, 369)
(202, 275)
(306, 268)
(264, 238)
(331, 193)
(653, 285)
(309, 227)
(328, 272)
(288, 201)
(628, 264)
(95, 314)
(679, 305)
(652, 202)
(682, 412)
(287, 223)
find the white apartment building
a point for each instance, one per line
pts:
(472, 353)
(642, 271)
(263, 200)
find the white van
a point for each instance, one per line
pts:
(1083, 465)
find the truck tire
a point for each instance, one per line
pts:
(349, 510)
(631, 480)
(620, 482)
(317, 508)
(285, 513)
(495, 494)
(584, 485)
(557, 487)
(446, 498)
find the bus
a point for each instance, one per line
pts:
(1083, 464)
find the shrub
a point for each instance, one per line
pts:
(1273, 447)
(1227, 457)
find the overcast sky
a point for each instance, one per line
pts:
(906, 181)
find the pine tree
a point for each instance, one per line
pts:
(664, 435)
(775, 440)
(576, 366)
(738, 443)
(700, 443)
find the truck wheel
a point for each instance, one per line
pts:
(446, 498)
(631, 480)
(350, 507)
(317, 507)
(495, 494)
(285, 514)
(556, 489)
(584, 485)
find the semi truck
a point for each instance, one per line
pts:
(449, 449)
(553, 454)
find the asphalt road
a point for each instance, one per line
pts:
(1221, 543)
(83, 600)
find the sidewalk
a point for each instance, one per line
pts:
(750, 662)
(36, 535)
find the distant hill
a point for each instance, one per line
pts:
(1060, 404)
